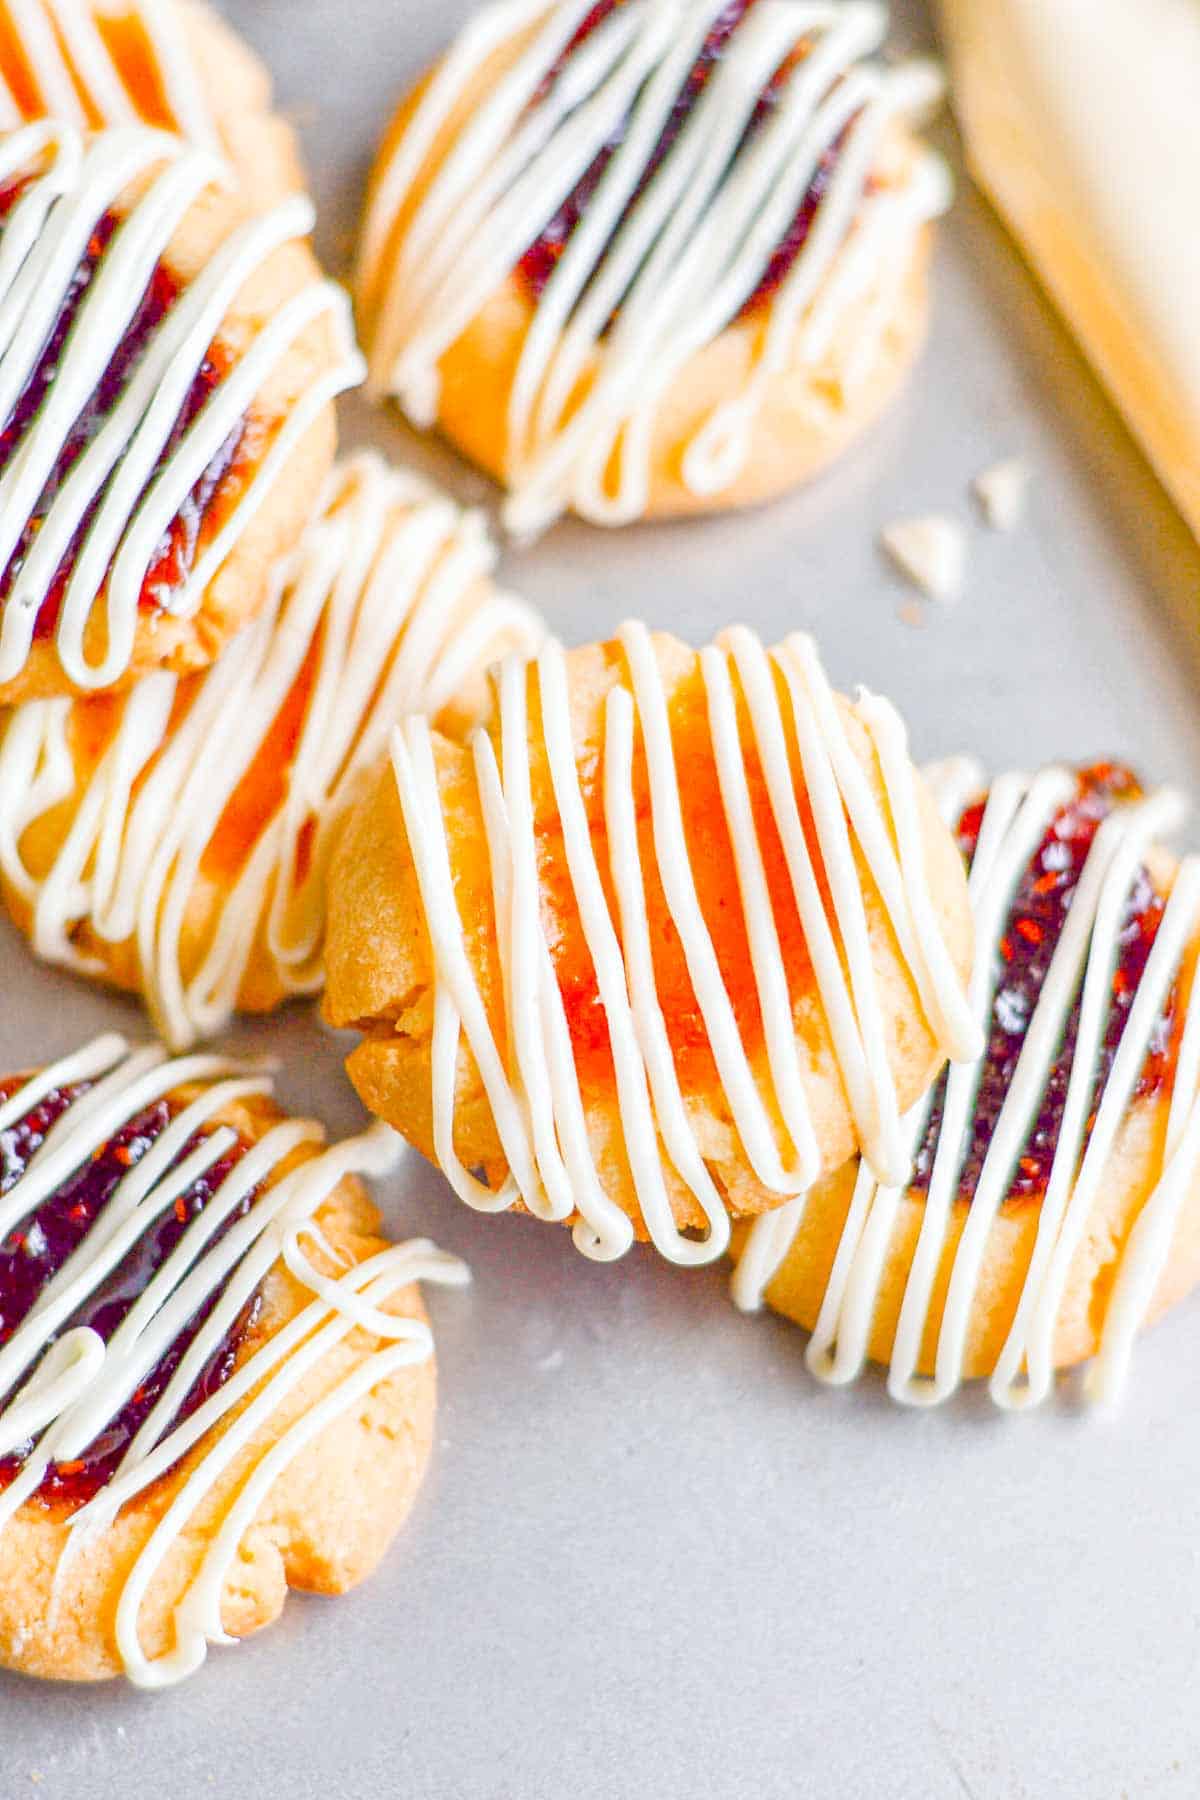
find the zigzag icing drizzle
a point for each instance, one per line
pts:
(531, 1081)
(77, 79)
(376, 611)
(46, 231)
(61, 1387)
(1018, 812)
(675, 268)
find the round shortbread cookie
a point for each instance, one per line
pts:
(216, 1381)
(1055, 1200)
(676, 928)
(654, 261)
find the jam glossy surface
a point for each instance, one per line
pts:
(32, 1254)
(263, 788)
(134, 56)
(137, 61)
(1034, 925)
(541, 259)
(177, 550)
(713, 868)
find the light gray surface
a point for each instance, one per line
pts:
(653, 1559)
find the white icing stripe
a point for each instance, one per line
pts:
(668, 273)
(79, 1384)
(128, 479)
(1017, 814)
(764, 1252)
(1150, 1241)
(77, 79)
(528, 1070)
(382, 613)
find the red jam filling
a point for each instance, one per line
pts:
(1034, 925)
(176, 553)
(33, 1253)
(541, 259)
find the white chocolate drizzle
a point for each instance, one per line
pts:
(386, 608)
(1018, 812)
(61, 1385)
(530, 1076)
(669, 272)
(77, 78)
(135, 485)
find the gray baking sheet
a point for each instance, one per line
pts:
(653, 1558)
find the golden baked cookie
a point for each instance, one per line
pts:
(216, 1381)
(166, 388)
(674, 931)
(1054, 1203)
(176, 839)
(174, 64)
(639, 261)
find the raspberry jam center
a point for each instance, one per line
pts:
(1035, 922)
(541, 259)
(33, 1253)
(176, 552)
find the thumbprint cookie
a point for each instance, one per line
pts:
(173, 64)
(672, 930)
(216, 1381)
(640, 258)
(1054, 1203)
(176, 839)
(168, 362)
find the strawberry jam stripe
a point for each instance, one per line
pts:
(136, 1230)
(540, 260)
(36, 1250)
(177, 551)
(77, 1218)
(1036, 918)
(124, 416)
(1077, 981)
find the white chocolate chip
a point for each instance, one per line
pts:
(931, 552)
(1001, 492)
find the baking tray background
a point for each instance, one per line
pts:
(653, 1558)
